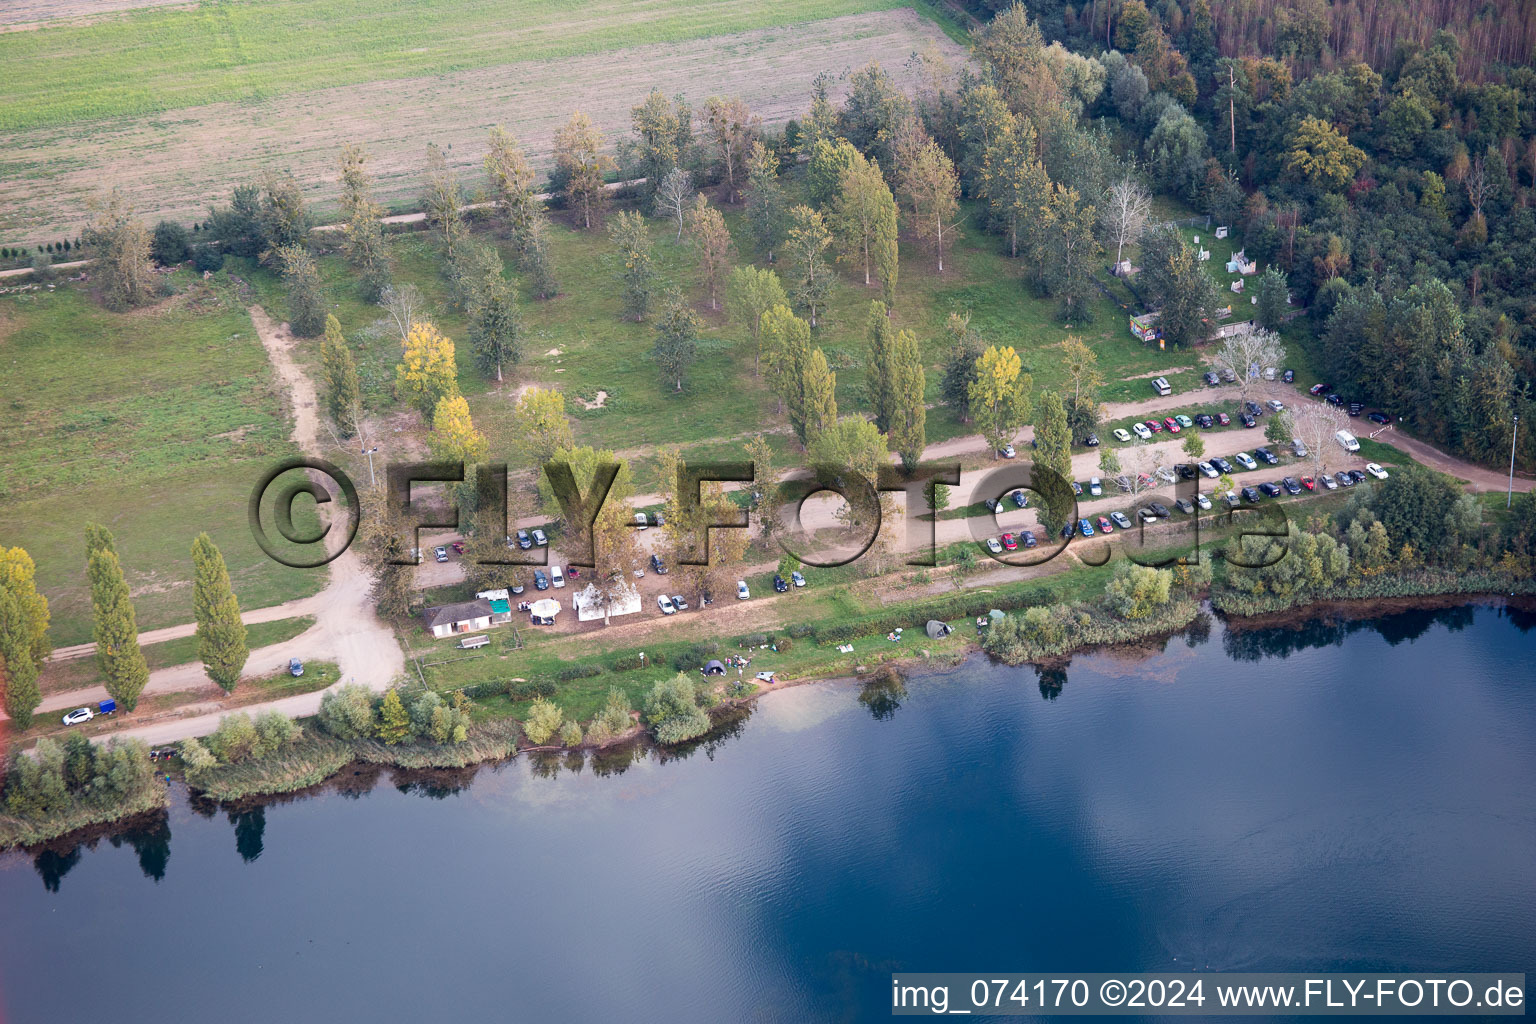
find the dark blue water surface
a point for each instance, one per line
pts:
(1357, 796)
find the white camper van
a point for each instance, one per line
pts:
(1347, 441)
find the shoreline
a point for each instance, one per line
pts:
(417, 765)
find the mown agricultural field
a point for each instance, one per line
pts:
(175, 105)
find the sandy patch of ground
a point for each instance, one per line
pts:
(596, 403)
(176, 165)
(1158, 373)
(552, 352)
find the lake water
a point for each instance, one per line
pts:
(1360, 796)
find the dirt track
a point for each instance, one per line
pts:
(176, 166)
(346, 630)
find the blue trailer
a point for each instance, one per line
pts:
(106, 707)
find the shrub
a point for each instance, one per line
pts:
(801, 630)
(570, 734)
(615, 714)
(673, 711)
(347, 713)
(543, 719)
(752, 640)
(571, 672)
(274, 730)
(208, 259)
(42, 269)
(695, 656)
(531, 689)
(169, 245)
(196, 756)
(235, 739)
(628, 663)
(785, 644)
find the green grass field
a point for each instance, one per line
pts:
(578, 343)
(155, 424)
(157, 60)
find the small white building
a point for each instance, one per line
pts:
(451, 619)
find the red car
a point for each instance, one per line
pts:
(1317, 389)
(1105, 526)
(1309, 483)
(458, 547)
(1223, 419)
(1172, 425)
(1154, 426)
(1010, 542)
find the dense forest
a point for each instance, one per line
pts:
(1383, 154)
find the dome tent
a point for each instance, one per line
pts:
(937, 629)
(714, 668)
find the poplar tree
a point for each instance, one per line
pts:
(766, 205)
(749, 294)
(807, 245)
(442, 199)
(907, 432)
(864, 216)
(713, 240)
(677, 339)
(306, 297)
(1054, 453)
(583, 166)
(818, 391)
(882, 337)
(364, 231)
(18, 670)
(221, 638)
(343, 392)
(637, 274)
(116, 629)
(786, 344)
(933, 189)
(495, 325)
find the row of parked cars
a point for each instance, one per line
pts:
(1327, 394)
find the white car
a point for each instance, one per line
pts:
(742, 593)
(1245, 460)
(665, 604)
(441, 554)
(79, 715)
(1141, 431)
(1275, 405)
(1208, 471)
(1166, 475)
(1121, 435)
(1202, 501)
(1375, 471)
(1007, 452)
(994, 545)
(1095, 486)
(641, 522)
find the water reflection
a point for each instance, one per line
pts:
(882, 695)
(1330, 631)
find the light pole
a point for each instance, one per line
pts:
(372, 482)
(1509, 499)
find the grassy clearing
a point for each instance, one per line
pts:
(82, 672)
(152, 61)
(577, 342)
(156, 424)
